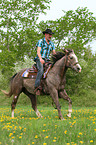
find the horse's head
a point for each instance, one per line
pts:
(72, 61)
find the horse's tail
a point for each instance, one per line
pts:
(10, 93)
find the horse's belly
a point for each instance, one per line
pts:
(29, 84)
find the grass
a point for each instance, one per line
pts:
(27, 129)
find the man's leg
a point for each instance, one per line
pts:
(39, 74)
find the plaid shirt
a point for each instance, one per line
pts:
(46, 49)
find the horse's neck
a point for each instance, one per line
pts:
(60, 66)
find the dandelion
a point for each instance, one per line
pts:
(36, 136)
(72, 142)
(94, 129)
(91, 140)
(33, 142)
(93, 122)
(44, 143)
(44, 124)
(54, 140)
(78, 136)
(46, 136)
(81, 142)
(65, 131)
(10, 134)
(43, 130)
(80, 133)
(20, 127)
(20, 136)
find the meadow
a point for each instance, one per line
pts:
(27, 129)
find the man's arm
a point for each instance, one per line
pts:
(54, 52)
(39, 55)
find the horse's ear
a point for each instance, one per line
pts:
(65, 51)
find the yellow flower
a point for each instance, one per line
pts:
(65, 131)
(80, 133)
(46, 136)
(78, 136)
(72, 142)
(44, 143)
(91, 140)
(20, 136)
(54, 140)
(32, 142)
(36, 136)
(81, 142)
(94, 129)
(10, 134)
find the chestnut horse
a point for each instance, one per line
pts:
(53, 85)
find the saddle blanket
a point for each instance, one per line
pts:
(25, 74)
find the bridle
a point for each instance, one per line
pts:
(69, 61)
(66, 62)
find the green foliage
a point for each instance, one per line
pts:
(19, 33)
(73, 30)
(18, 29)
(26, 128)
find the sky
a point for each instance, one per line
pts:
(57, 6)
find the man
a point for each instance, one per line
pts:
(44, 47)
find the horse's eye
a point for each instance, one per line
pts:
(71, 57)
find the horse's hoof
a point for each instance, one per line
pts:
(62, 118)
(69, 116)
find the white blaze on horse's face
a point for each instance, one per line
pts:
(74, 62)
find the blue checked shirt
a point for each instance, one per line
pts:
(46, 49)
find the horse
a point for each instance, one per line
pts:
(53, 85)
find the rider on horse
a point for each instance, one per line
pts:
(44, 47)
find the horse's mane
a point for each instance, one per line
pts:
(59, 55)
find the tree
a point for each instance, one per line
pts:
(18, 28)
(75, 29)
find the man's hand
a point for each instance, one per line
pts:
(42, 61)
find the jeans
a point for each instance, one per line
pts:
(39, 73)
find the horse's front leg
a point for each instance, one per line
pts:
(54, 95)
(64, 95)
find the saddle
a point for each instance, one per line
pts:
(32, 72)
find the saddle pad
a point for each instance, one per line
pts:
(29, 74)
(25, 74)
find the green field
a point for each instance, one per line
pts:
(27, 129)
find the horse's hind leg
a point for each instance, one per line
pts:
(33, 102)
(13, 105)
(64, 95)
